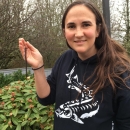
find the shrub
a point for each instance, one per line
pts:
(20, 110)
(15, 76)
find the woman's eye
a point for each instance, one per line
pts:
(86, 25)
(72, 26)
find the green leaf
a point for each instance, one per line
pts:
(28, 128)
(1, 120)
(44, 112)
(2, 117)
(19, 99)
(12, 83)
(37, 116)
(21, 112)
(32, 116)
(18, 94)
(28, 85)
(9, 106)
(15, 120)
(27, 114)
(18, 127)
(24, 90)
(32, 122)
(6, 97)
(1, 126)
(1, 111)
(5, 127)
(47, 128)
(48, 120)
(7, 103)
(44, 119)
(34, 96)
(26, 94)
(15, 112)
(35, 110)
(24, 123)
(39, 105)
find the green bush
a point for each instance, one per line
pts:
(15, 76)
(20, 110)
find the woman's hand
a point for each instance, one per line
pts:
(33, 56)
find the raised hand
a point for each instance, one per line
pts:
(33, 56)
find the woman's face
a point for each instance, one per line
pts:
(81, 31)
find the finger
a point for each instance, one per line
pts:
(25, 44)
(22, 46)
(22, 42)
(31, 47)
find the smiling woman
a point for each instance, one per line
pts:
(81, 31)
(90, 82)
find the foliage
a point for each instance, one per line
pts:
(13, 24)
(15, 76)
(120, 25)
(126, 17)
(20, 110)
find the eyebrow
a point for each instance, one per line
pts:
(71, 23)
(86, 22)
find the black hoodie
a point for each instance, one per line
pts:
(75, 109)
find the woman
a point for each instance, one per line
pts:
(89, 83)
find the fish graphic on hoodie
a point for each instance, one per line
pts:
(78, 109)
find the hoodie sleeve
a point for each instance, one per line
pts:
(123, 105)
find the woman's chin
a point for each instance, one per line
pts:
(80, 50)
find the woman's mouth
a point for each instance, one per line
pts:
(80, 42)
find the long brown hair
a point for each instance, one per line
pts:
(113, 60)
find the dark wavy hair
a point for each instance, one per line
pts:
(113, 60)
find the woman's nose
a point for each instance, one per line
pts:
(79, 32)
